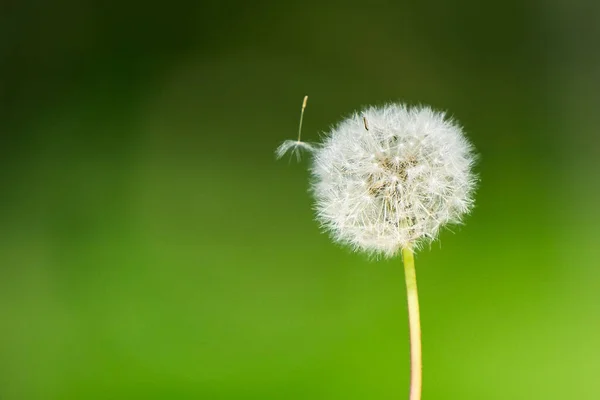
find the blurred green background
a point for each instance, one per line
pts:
(152, 248)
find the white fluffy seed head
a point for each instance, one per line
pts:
(393, 180)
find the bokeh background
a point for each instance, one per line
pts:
(152, 248)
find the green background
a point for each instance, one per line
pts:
(152, 248)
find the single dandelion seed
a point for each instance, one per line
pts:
(295, 147)
(388, 188)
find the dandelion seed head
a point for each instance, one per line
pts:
(394, 182)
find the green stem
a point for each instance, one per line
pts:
(414, 323)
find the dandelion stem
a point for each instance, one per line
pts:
(414, 322)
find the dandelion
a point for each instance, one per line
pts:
(389, 178)
(295, 146)
(385, 181)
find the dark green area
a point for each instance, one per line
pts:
(152, 248)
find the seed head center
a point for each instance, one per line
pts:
(393, 174)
